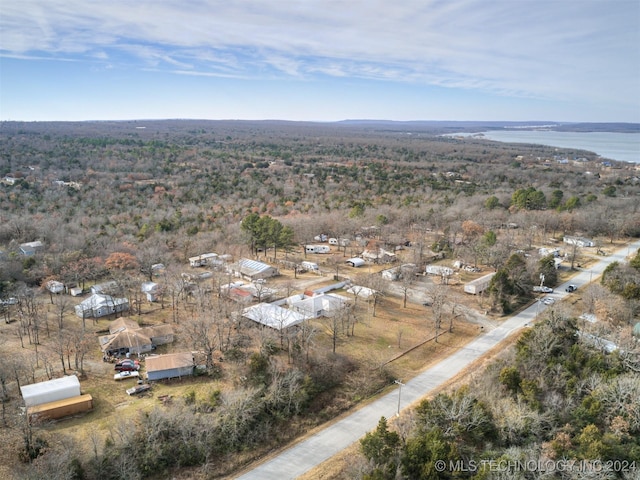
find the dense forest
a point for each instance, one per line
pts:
(107, 201)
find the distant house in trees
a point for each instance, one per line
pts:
(152, 290)
(31, 248)
(579, 241)
(98, 305)
(106, 287)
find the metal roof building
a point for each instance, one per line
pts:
(273, 316)
(172, 365)
(50, 391)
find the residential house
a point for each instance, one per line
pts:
(31, 248)
(126, 336)
(98, 305)
(172, 365)
(324, 305)
(579, 241)
(378, 255)
(273, 316)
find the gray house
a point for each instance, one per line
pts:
(31, 248)
(98, 305)
(173, 365)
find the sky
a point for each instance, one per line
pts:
(320, 60)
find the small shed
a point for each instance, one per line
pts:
(355, 262)
(54, 286)
(106, 287)
(172, 365)
(50, 391)
(152, 290)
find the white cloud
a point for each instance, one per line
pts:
(542, 48)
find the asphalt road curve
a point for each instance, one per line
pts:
(312, 451)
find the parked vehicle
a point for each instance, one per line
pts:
(138, 389)
(548, 301)
(126, 374)
(571, 288)
(127, 366)
(9, 301)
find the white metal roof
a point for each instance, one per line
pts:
(51, 390)
(273, 316)
(253, 265)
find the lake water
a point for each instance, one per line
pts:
(615, 146)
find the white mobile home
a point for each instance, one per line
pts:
(203, 260)
(579, 241)
(439, 270)
(317, 249)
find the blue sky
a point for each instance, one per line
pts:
(556, 60)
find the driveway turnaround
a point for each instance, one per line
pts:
(312, 451)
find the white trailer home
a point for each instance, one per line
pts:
(439, 270)
(317, 249)
(203, 260)
(479, 285)
(579, 241)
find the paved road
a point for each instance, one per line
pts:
(312, 451)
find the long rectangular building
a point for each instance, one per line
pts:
(61, 408)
